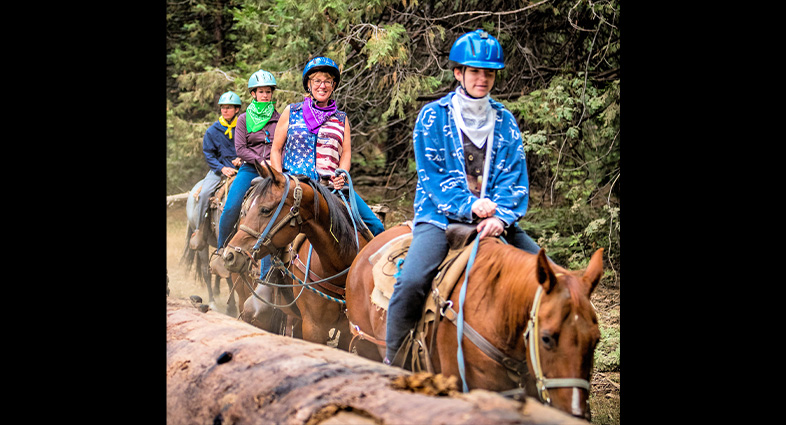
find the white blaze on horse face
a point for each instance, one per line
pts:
(575, 405)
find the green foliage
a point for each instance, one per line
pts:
(607, 353)
(576, 144)
(185, 162)
(560, 80)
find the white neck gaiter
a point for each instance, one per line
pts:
(475, 117)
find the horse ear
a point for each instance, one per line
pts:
(261, 170)
(594, 270)
(266, 170)
(544, 272)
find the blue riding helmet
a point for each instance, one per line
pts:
(323, 64)
(229, 98)
(261, 78)
(477, 49)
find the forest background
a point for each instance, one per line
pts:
(561, 81)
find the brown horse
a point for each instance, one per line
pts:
(199, 255)
(278, 208)
(550, 356)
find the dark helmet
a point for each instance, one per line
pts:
(323, 64)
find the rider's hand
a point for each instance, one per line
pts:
(484, 207)
(338, 181)
(492, 226)
(228, 171)
(237, 162)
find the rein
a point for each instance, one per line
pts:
(514, 366)
(293, 217)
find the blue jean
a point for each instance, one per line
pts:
(372, 221)
(231, 212)
(234, 202)
(427, 250)
(209, 185)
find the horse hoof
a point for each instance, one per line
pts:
(203, 308)
(195, 299)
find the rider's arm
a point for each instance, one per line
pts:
(277, 149)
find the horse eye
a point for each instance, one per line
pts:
(265, 211)
(548, 341)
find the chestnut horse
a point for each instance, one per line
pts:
(550, 356)
(278, 208)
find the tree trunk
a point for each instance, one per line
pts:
(223, 370)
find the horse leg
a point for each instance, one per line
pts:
(296, 327)
(312, 332)
(345, 336)
(368, 350)
(231, 306)
(204, 274)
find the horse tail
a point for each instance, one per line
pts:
(187, 258)
(191, 256)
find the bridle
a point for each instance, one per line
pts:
(531, 341)
(265, 237)
(517, 369)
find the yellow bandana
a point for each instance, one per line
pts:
(228, 125)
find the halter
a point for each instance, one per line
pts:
(515, 367)
(531, 341)
(265, 237)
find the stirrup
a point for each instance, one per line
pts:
(403, 352)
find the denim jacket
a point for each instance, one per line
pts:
(442, 192)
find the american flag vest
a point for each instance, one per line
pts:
(313, 154)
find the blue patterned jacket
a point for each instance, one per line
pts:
(442, 191)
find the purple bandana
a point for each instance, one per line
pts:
(316, 115)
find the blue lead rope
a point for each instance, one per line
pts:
(352, 206)
(460, 320)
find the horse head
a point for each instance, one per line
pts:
(562, 332)
(270, 218)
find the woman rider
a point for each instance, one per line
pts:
(314, 137)
(253, 138)
(471, 166)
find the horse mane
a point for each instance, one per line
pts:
(341, 226)
(511, 292)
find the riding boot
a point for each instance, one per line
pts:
(217, 264)
(197, 241)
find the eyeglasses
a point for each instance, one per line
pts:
(327, 83)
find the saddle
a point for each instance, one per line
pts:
(198, 240)
(220, 195)
(386, 264)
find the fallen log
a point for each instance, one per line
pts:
(223, 370)
(172, 200)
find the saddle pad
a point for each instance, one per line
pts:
(384, 269)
